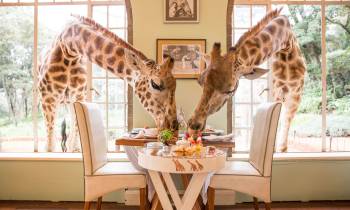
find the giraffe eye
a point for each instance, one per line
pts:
(231, 92)
(156, 86)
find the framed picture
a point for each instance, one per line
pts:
(181, 11)
(186, 53)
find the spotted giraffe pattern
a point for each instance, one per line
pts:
(272, 38)
(63, 76)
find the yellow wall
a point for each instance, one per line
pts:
(149, 26)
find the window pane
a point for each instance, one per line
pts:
(238, 33)
(116, 116)
(100, 14)
(305, 131)
(112, 135)
(98, 71)
(116, 91)
(117, 16)
(243, 115)
(53, 19)
(258, 12)
(260, 90)
(241, 16)
(99, 92)
(16, 81)
(16, 67)
(243, 93)
(120, 33)
(114, 95)
(245, 16)
(338, 78)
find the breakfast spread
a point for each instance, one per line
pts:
(189, 146)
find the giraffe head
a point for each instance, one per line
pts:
(155, 87)
(221, 77)
(153, 83)
(219, 82)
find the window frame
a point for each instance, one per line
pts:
(90, 4)
(229, 37)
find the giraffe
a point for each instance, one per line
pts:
(193, 166)
(178, 165)
(271, 38)
(63, 76)
(200, 166)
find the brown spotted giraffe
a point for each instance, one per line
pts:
(271, 38)
(193, 166)
(178, 165)
(63, 76)
(200, 166)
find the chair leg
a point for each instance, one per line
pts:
(268, 206)
(256, 203)
(143, 198)
(87, 205)
(148, 204)
(99, 203)
(211, 199)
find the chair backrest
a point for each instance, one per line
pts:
(264, 137)
(92, 136)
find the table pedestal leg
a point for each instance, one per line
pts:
(193, 190)
(185, 181)
(191, 194)
(160, 189)
(155, 203)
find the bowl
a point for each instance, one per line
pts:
(153, 148)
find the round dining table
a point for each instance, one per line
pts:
(160, 166)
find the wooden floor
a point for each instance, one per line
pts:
(38, 205)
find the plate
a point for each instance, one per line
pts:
(215, 132)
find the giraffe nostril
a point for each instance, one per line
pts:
(175, 125)
(196, 126)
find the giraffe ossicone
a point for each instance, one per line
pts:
(63, 74)
(272, 38)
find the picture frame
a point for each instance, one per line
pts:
(181, 11)
(187, 54)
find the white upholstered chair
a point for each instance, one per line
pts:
(252, 177)
(101, 176)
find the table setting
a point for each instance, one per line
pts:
(210, 137)
(168, 155)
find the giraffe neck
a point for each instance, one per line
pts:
(79, 40)
(274, 37)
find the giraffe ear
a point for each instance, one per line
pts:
(256, 73)
(216, 51)
(168, 63)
